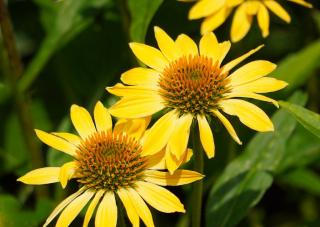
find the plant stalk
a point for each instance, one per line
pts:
(197, 186)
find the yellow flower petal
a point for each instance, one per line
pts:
(206, 136)
(178, 141)
(240, 24)
(261, 85)
(140, 207)
(277, 9)
(137, 107)
(107, 212)
(102, 118)
(230, 65)
(253, 96)
(150, 56)
(74, 208)
(252, 7)
(56, 142)
(204, 8)
(62, 205)
(46, 175)
(71, 138)
(186, 45)
(224, 49)
(166, 44)
(130, 209)
(263, 20)
(82, 121)
(133, 127)
(159, 197)
(228, 126)
(172, 163)
(212, 22)
(301, 2)
(159, 134)
(140, 76)
(132, 91)
(249, 114)
(251, 71)
(92, 207)
(66, 172)
(209, 47)
(179, 177)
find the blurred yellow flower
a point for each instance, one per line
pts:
(191, 84)
(109, 163)
(216, 12)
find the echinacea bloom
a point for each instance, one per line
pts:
(191, 84)
(215, 13)
(108, 164)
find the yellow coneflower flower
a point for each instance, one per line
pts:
(216, 12)
(108, 164)
(191, 84)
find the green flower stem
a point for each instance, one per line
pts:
(21, 104)
(196, 199)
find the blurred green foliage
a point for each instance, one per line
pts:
(73, 49)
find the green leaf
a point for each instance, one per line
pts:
(308, 119)
(304, 179)
(71, 18)
(245, 179)
(298, 67)
(142, 11)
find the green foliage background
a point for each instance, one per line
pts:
(73, 49)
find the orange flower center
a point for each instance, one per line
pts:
(193, 85)
(109, 161)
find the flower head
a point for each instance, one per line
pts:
(215, 13)
(191, 84)
(108, 164)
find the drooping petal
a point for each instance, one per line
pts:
(71, 138)
(302, 2)
(206, 136)
(102, 118)
(209, 46)
(159, 134)
(66, 172)
(249, 114)
(159, 197)
(140, 207)
(253, 96)
(230, 65)
(133, 91)
(166, 44)
(205, 8)
(250, 72)
(137, 107)
(261, 85)
(240, 24)
(228, 126)
(140, 76)
(46, 175)
(172, 163)
(107, 213)
(212, 22)
(187, 45)
(150, 56)
(56, 142)
(178, 141)
(62, 205)
(130, 209)
(224, 49)
(82, 121)
(263, 20)
(179, 177)
(252, 7)
(277, 9)
(74, 208)
(133, 127)
(92, 207)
